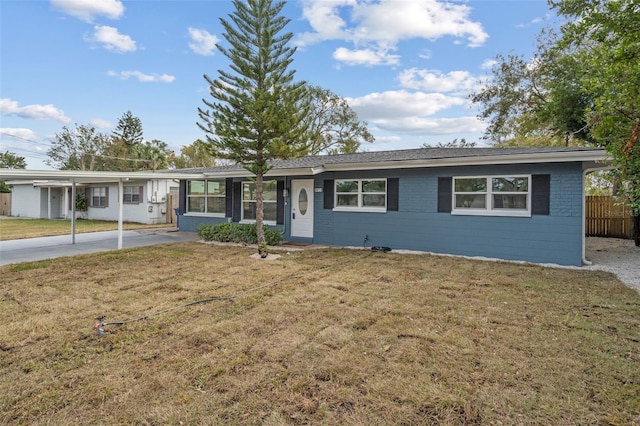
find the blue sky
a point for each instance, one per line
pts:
(405, 66)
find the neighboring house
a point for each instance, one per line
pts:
(143, 201)
(508, 203)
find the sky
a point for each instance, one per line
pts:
(406, 67)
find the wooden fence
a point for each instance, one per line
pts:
(607, 216)
(5, 203)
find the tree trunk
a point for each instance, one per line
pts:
(260, 209)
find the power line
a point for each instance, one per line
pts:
(49, 146)
(25, 139)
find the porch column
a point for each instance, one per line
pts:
(120, 212)
(49, 203)
(73, 211)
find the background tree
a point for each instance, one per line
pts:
(129, 130)
(255, 115)
(77, 148)
(9, 160)
(198, 154)
(462, 143)
(582, 87)
(154, 155)
(604, 36)
(332, 126)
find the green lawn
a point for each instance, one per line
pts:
(327, 336)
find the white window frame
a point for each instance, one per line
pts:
(360, 207)
(206, 197)
(489, 210)
(103, 198)
(131, 191)
(274, 202)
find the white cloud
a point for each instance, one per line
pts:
(35, 112)
(87, 10)
(409, 113)
(384, 23)
(488, 64)
(202, 42)
(432, 125)
(112, 40)
(367, 57)
(397, 104)
(19, 133)
(142, 77)
(432, 80)
(101, 123)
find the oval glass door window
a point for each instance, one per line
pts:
(303, 201)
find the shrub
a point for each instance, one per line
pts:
(237, 233)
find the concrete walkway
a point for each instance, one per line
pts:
(30, 249)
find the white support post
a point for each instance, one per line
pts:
(120, 212)
(73, 211)
(49, 203)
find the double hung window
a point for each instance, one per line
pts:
(132, 194)
(361, 194)
(99, 197)
(206, 196)
(492, 195)
(269, 196)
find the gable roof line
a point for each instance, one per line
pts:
(318, 166)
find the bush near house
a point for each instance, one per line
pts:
(237, 233)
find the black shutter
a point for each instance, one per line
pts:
(328, 193)
(540, 194)
(182, 200)
(237, 201)
(228, 197)
(392, 194)
(444, 194)
(280, 203)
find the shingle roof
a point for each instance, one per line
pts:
(420, 154)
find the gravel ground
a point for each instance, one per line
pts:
(621, 257)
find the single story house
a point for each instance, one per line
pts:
(522, 204)
(143, 199)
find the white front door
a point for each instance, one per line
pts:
(302, 208)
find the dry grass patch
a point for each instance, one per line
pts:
(16, 228)
(349, 337)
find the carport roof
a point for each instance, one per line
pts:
(79, 176)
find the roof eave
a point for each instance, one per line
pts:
(597, 156)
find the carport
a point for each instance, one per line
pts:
(74, 177)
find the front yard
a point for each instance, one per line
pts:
(330, 336)
(18, 228)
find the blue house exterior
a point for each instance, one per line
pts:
(523, 204)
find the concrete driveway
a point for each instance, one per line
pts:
(30, 249)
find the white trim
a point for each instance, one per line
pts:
(242, 201)
(489, 210)
(264, 222)
(360, 194)
(360, 209)
(200, 214)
